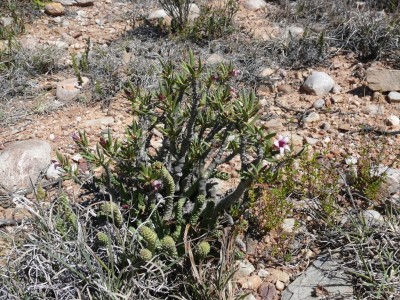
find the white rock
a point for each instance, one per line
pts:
(288, 225)
(279, 285)
(312, 117)
(254, 4)
(319, 83)
(373, 109)
(245, 268)
(320, 103)
(22, 162)
(294, 32)
(383, 80)
(250, 297)
(263, 273)
(69, 88)
(372, 217)
(394, 96)
(157, 14)
(392, 120)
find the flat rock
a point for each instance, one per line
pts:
(98, 122)
(69, 88)
(216, 58)
(324, 272)
(254, 4)
(252, 282)
(312, 117)
(372, 217)
(293, 32)
(288, 225)
(65, 2)
(244, 269)
(84, 2)
(22, 162)
(267, 291)
(319, 83)
(394, 97)
(275, 275)
(54, 9)
(383, 80)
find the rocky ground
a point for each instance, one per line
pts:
(330, 108)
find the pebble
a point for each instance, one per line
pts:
(54, 9)
(263, 273)
(285, 88)
(318, 104)
(216, 58)
(393, 120)
(312, 117)
(279, 285)
(319, 83)
(373, 109)
(267, 72)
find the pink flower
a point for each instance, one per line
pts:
(282, 144)
(156, 185)
(125, 206)
(235, 72)
(75, 137)
(233, 92)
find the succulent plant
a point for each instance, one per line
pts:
(168, 246)
(149, 236)
(111, 211)
(203, 249)
(145, 254)
(102, 238)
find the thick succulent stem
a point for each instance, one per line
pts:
(168, 246)
(111, 211)
(198, 206)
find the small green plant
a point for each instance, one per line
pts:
(17, 24)
(212, 23)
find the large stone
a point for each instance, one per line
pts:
(69, 88)
(323, 273)
(54, 9)
(21, 163)
(157, 14)
(383, 80)
(245, 268)
(319, 83)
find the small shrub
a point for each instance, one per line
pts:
(213, 23)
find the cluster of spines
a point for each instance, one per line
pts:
(68, 214)
(111, 210)
(168, 246)
(149, 236)
(145, 254)
(203, 249)
(103, 238)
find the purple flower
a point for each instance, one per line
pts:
(103, 142)
(75, 137)
(214, 77)
(125, 206)
(235, 72)
(161, 97)
(282, 144)
(156, 185)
